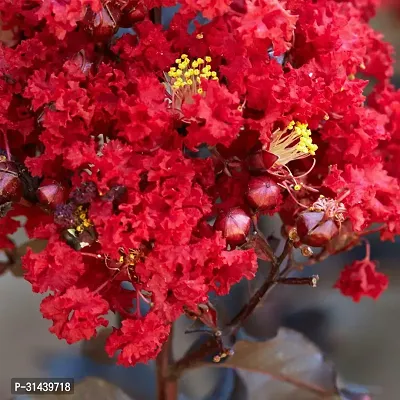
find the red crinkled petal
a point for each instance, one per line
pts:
(57, 267)
(236, 265)
(76, 314)
(139, 340)
(361, 279)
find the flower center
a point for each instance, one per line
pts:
(292, 143)
(84, 221)
(183, 81)
(333, 209)
(131, 258)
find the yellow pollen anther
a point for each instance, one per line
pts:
(183, 80)
(326, 117)
(352, 77)
(83, 220)
(292, 143)
(297, 187)
(199, 36)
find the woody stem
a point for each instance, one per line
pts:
(167, 385)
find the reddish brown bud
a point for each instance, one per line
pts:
(263, 193)
(261, 161)
(103, 24)
(269, 159)
(51, 193)
(10, 184)
(239, 6)
(314, 229)
(234, 225)
(255, 162)
(133, 15)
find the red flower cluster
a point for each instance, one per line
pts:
(122, 151)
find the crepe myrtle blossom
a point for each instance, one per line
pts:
(101, 137)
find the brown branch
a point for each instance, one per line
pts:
(167, 385)
(155, 15)
(266, 287)
(193, 358)
(214, 345)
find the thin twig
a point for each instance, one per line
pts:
(266, 287)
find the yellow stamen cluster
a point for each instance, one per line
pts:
(183, 81)
(305, 144)
(293, 143)
(84, 221)
(187, 74)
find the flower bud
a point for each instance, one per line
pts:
(10, 183)
(234, 225)
(255, 162)
(102, 25)
(132, 16)
(261, 161)
(269, 159)
(314, 229)
(263, 193)
(51, 193)
(239, 6)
